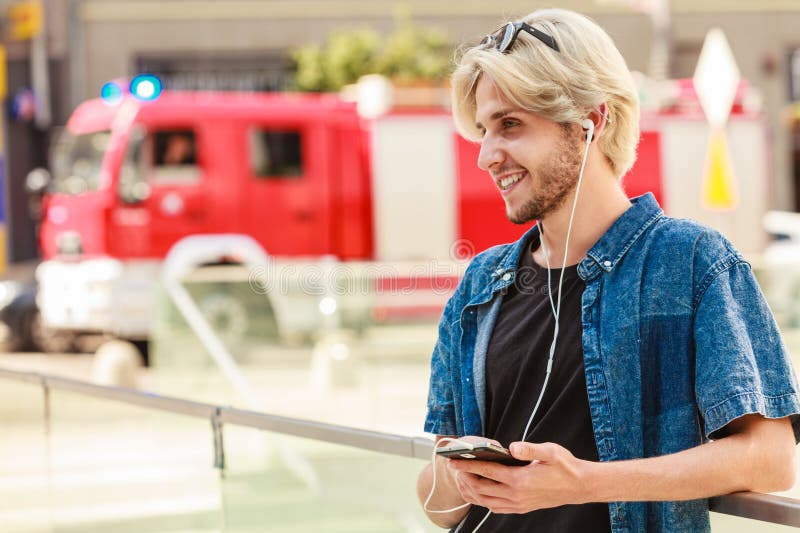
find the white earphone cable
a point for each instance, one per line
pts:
(556, 309)
(433, 481)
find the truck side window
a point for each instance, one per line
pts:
(174, 157)
(276, 154)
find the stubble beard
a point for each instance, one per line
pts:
(555, 178)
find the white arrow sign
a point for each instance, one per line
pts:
(716, 78)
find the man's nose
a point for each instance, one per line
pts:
(490, 154)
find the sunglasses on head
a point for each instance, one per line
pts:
(505, 37)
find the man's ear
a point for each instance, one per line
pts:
(600, 119)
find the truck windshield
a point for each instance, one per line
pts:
(77, 160)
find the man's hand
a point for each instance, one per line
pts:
(554, 477)
(445, 495)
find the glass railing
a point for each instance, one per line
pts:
(24, 458)
(79, 457)
(124, 468)
(275, 482)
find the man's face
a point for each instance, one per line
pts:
(534, 161)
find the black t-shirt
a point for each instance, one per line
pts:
(516, 363)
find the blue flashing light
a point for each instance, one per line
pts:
(111, 93)
(146, 87)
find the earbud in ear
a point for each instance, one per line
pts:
(588, 125)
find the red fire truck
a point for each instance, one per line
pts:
(313, 183)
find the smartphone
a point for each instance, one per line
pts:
(482, 452)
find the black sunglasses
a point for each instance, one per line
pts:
(505, 37)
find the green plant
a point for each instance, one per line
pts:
(346, 56)
(409, 54)
(413, 53)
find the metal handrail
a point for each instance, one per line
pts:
(412, 447)
(763, 507)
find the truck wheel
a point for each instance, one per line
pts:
(49, 340)
(227, 316)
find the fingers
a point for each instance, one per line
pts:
(481, 491)
(497, 506)
(544, 452)
(485, 469)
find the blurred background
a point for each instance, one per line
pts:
(263, 204)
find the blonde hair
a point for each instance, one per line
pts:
(563, 86)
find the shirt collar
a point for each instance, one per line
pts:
(623, 233)
(510, 260)
(606, 252)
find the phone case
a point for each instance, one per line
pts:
(482, 453)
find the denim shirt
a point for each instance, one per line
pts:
(678, 341)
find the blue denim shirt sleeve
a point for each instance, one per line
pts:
(742, 365)
(452, 397)
(441, 417)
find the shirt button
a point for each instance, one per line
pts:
(506, 276)
(607, 264)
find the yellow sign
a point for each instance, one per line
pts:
(25, 20)
(719, 183)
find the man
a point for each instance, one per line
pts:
(629, 356)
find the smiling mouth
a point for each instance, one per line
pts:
(506, 183)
